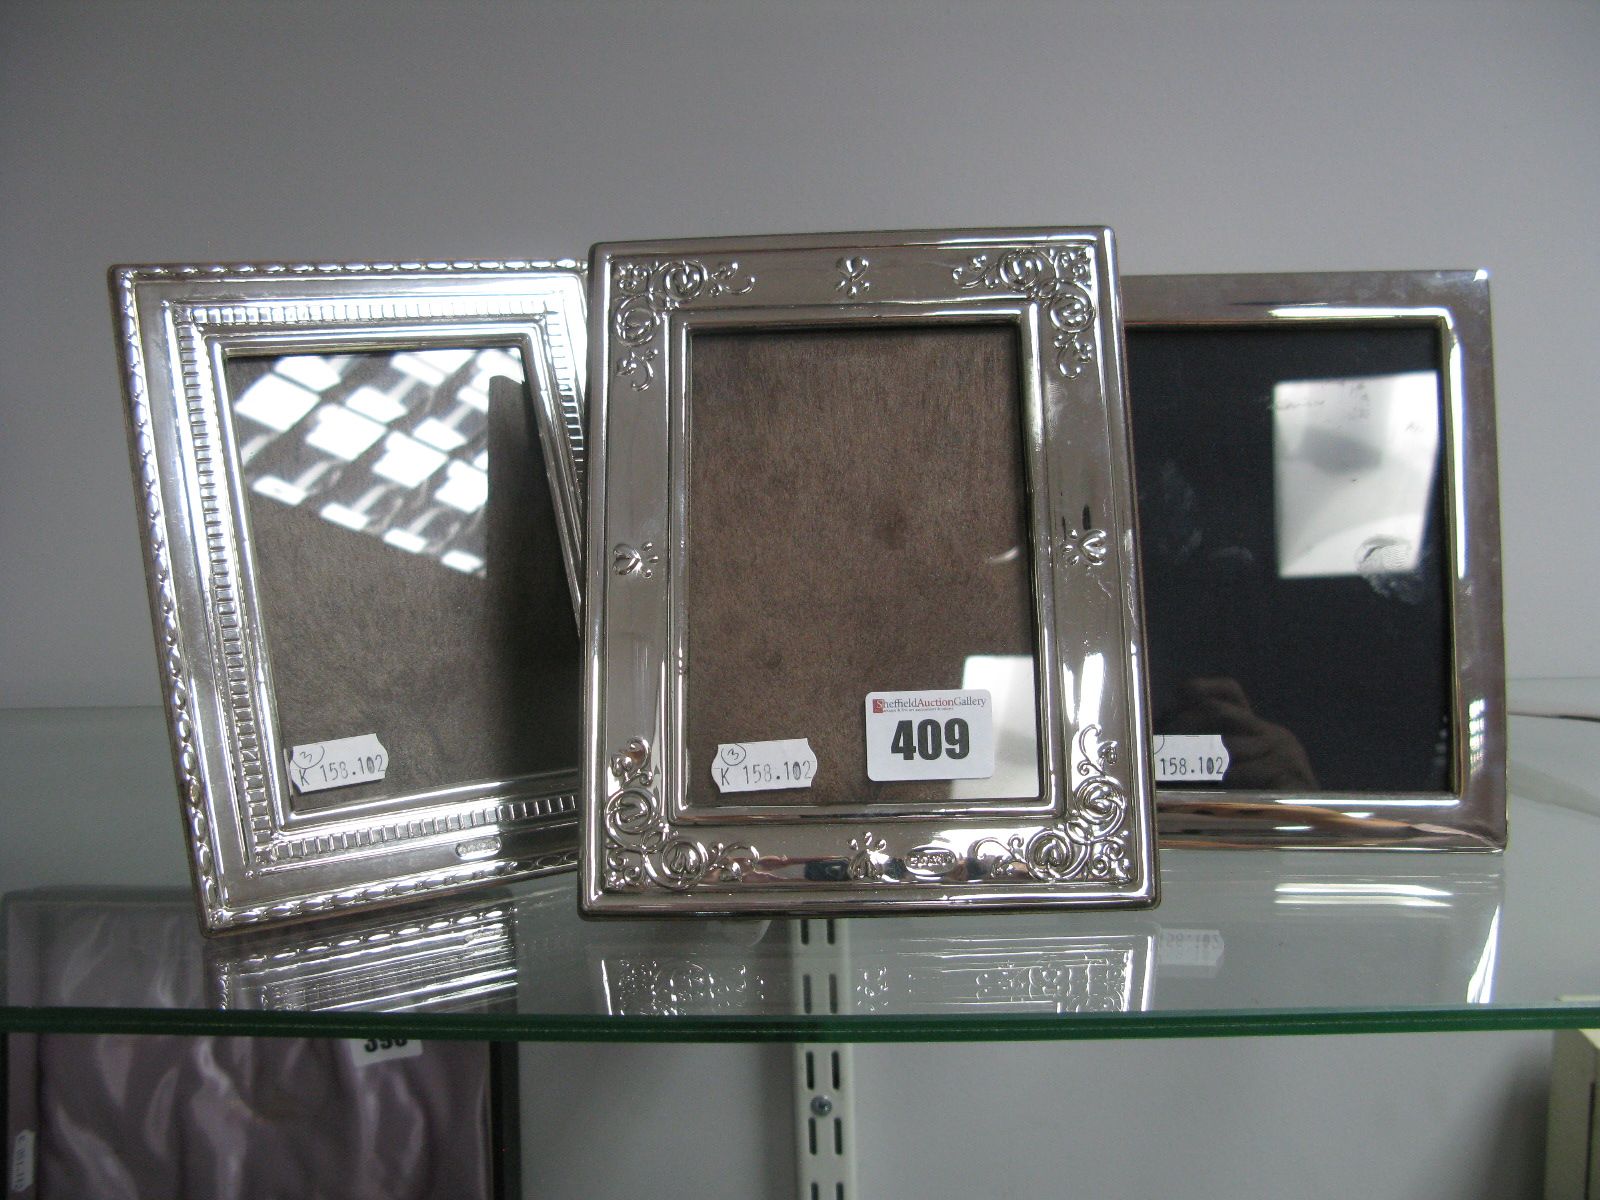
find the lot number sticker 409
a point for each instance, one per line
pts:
(930, 735)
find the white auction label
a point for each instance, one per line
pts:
(1189, 948)
(930, 735)
(364, 1052)
(764, 766)
(22, 1150)
(342, 762)
(1189, 757)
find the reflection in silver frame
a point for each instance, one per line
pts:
(1472, 815)
(1090, 842)
(254, 860)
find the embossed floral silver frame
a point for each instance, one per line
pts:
(1471, 815)
(1089, 840)
(254, 859)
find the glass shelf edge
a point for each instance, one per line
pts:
(875, 1028)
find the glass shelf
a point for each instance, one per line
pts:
(1244, 942)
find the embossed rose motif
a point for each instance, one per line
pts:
(681, 282)
(639, 367)
(631, 278)
(635, 320)
(1074, 352)
(625, 560)
(624, 868)
(1072, 311)
(992, 860)
(1074, 261)
(1051, 277)
(1028, 271)
(629, 560)
(1098, 809)
(1086, 546)
(854, 272)
(683, 861)
(1053, 856)
(730, 862)
(631, 812)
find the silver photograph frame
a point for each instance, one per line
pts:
(1454, 304)
(1089, 841)
(253, 858)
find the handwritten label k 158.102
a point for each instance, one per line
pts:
(1189, 757)
(764, 766)
(342, 762)
(22, 1155)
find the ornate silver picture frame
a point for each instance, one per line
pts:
(359, 490)
(1320, 530)
(740, 394)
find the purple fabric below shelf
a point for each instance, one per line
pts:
(258, 1119)
(117, 1117)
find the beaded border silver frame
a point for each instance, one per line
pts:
(253, 860)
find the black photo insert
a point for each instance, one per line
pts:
(1291, 492)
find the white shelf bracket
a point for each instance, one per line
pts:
(824, 1072)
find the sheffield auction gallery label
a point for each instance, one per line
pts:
(930, 735)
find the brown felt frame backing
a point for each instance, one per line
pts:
(857, 521)
(464, 679)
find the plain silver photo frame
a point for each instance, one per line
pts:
(257, 854)
(1088, 839)
(1470, 813)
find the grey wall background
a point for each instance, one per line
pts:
(1321, 1118)
(1214, 136)
(1218, 136)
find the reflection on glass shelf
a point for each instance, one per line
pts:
(456, 958)
(974, 975)
(1242, 942)
(651, 985)
(1246, 935)
(104, 947)
(979, 974)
